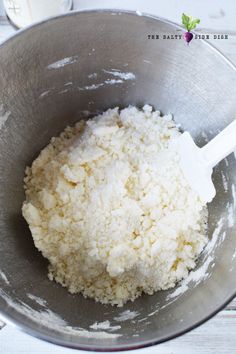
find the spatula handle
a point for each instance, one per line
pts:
(221, 146)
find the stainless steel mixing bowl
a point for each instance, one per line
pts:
(54, 74)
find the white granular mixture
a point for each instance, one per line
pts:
(109, 207)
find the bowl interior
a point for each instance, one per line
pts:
(64, 70)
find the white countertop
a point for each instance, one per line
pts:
(218, 335)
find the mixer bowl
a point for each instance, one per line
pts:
(65, 69)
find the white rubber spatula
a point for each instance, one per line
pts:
(197, 163)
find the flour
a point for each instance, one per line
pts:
(3, 116)
(126, 316)
(202, 273)
(45, 317)
(45, 93)
(231, 214)
(92, 76)
(63, 91)
(51, 320)
(119, 78)
(113, 81)
(121, 75)
(69, 83)
(91, 87)
(146, 61)
(4, 277)
(104, 326)
(224, 181)
(62, 62)
(233, 188)
(38, 300)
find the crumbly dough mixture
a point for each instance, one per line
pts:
(108, 206)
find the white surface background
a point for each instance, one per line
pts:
(218, 335)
